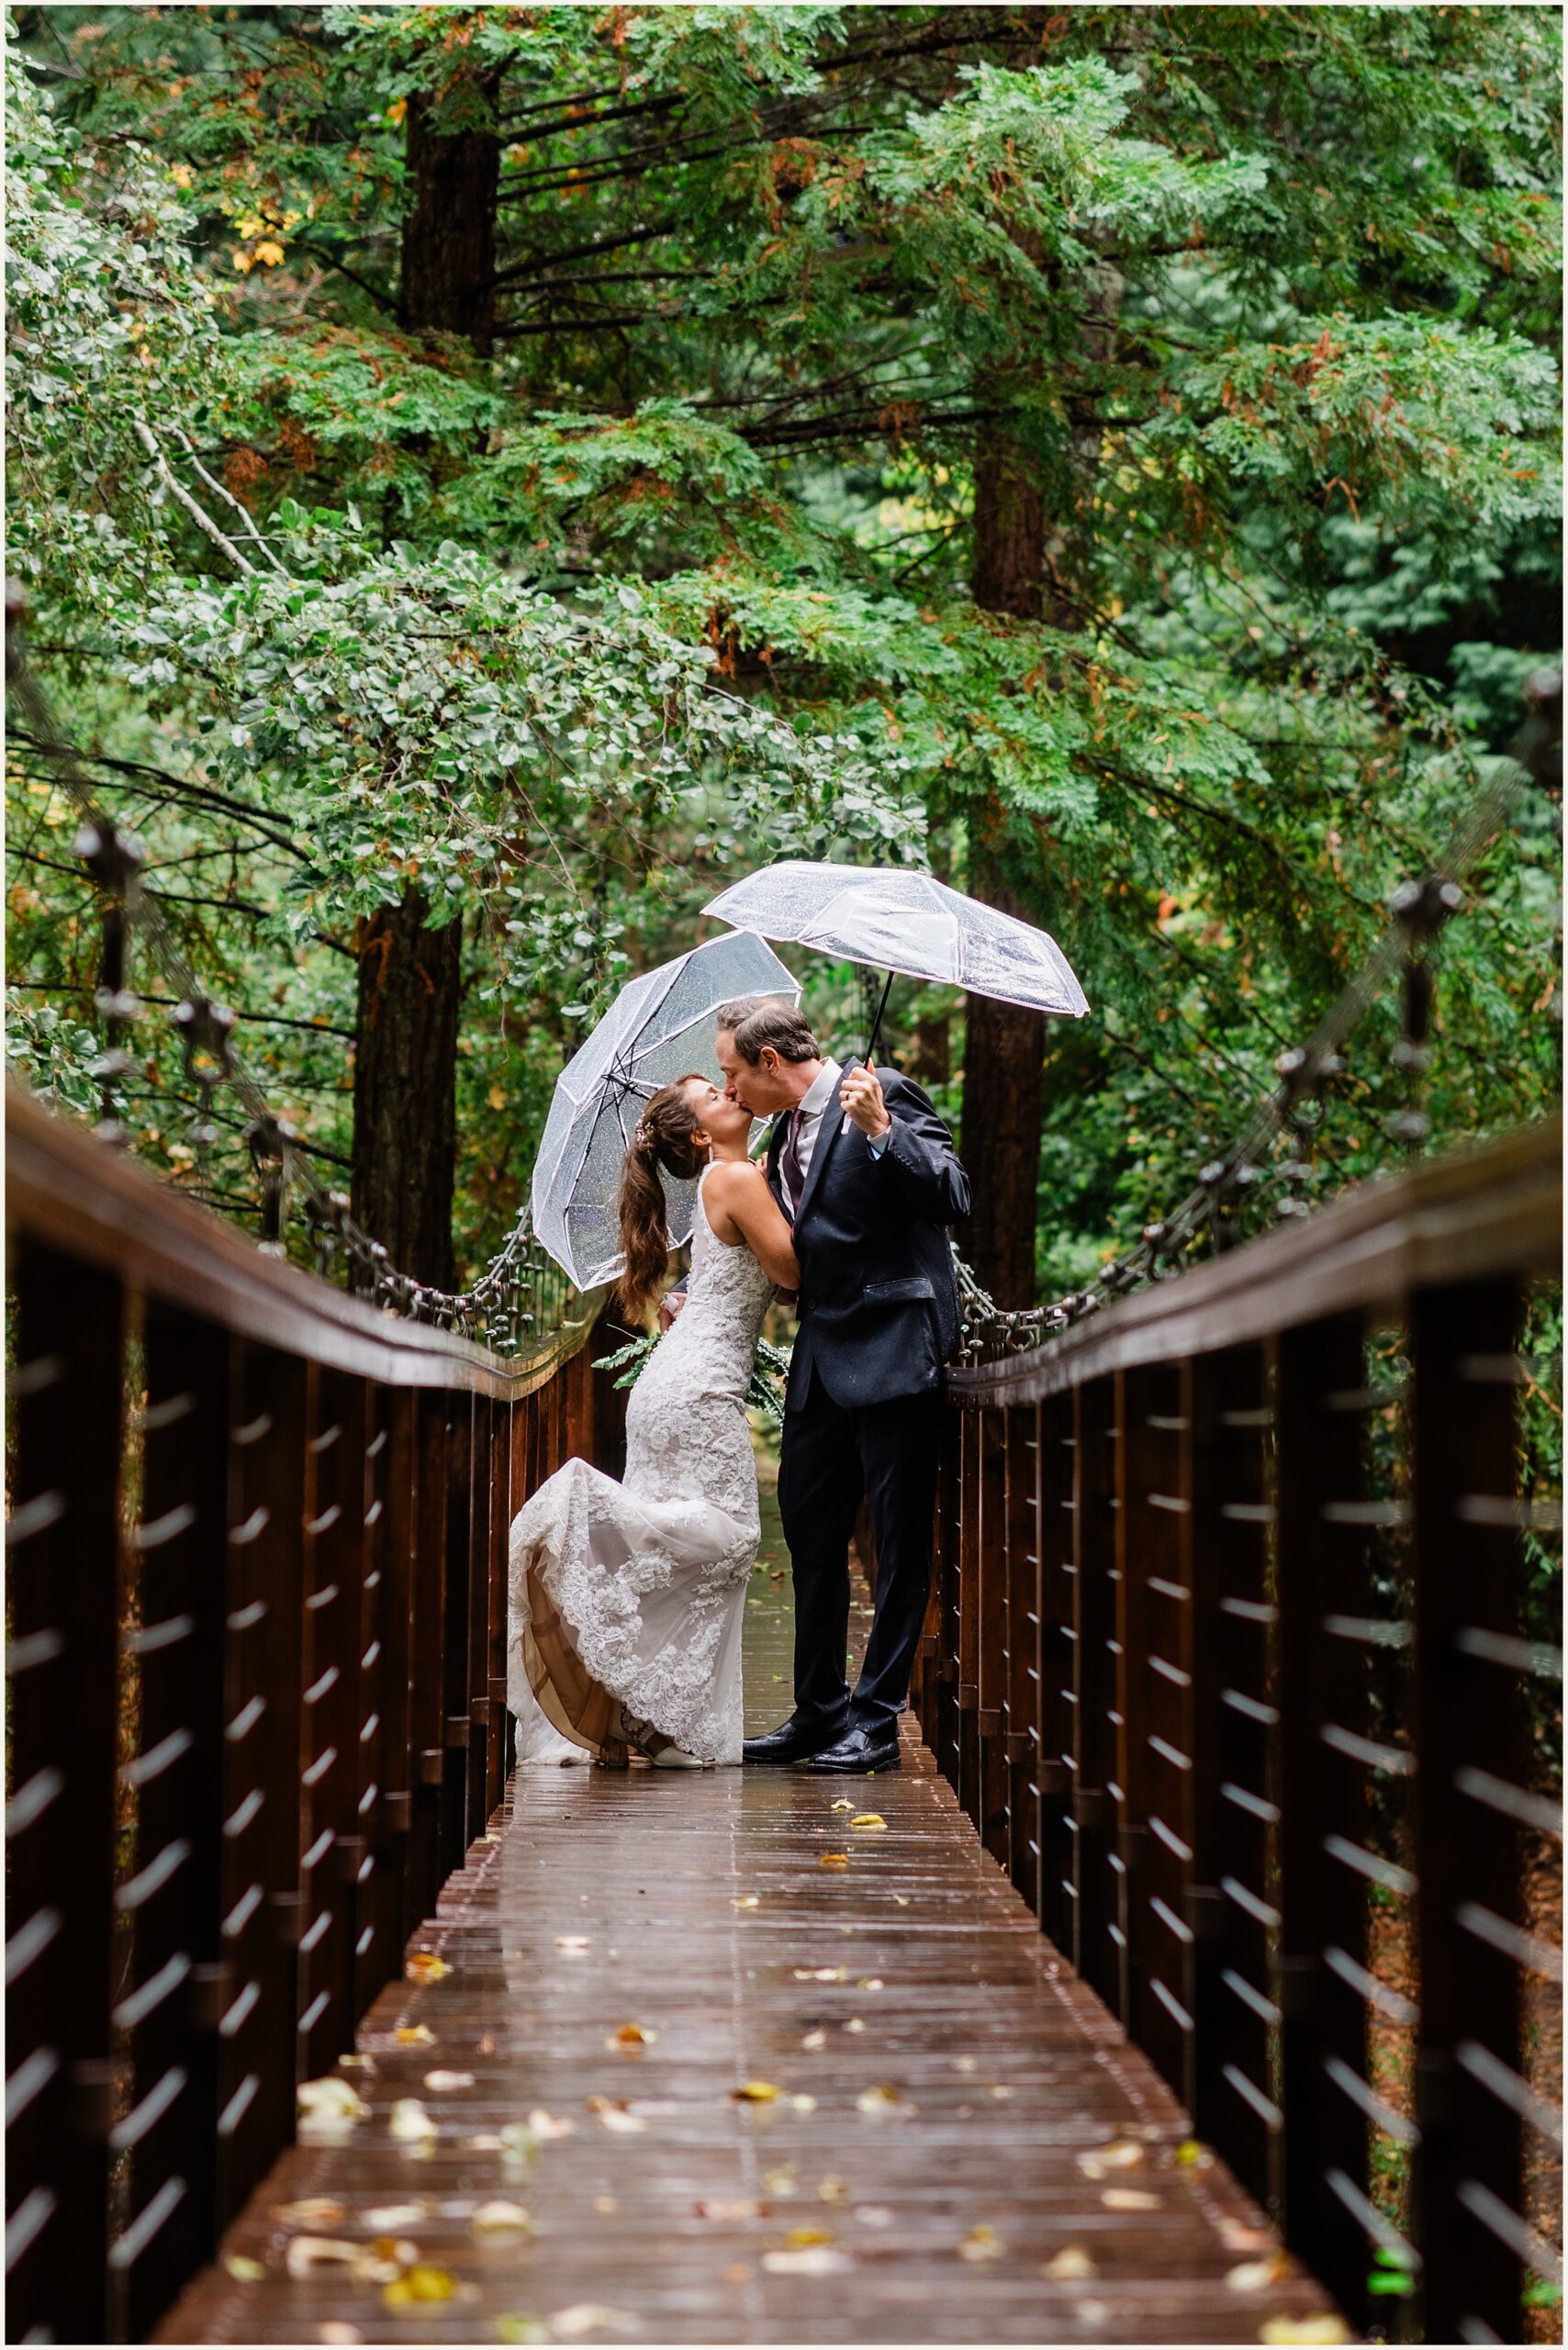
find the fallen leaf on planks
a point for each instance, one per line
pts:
(613, 2115)
(808, 2260)
(1072, 2266)
(419, 2286)
(499, 2217)
(315, 2211)
(409, 2120)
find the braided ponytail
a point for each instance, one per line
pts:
(665, 1137)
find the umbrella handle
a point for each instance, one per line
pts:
(872, 1044)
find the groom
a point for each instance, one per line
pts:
(866, 1174)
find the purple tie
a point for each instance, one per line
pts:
(791, 1173)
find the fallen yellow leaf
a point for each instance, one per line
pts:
(815, 2040)
(1128, 2199)
(755, 2093)
(415, 2035)
(742, 2208)
(425, 1966)
(810, 2235)
(421, 2284)
(867, 1819)
(445, 2084)
(843, 1804)
(981, 2244)
(633, 2035)
(745, 1901)
(833, 1861)
(243, 2271)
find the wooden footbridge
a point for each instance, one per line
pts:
(1195, 1926)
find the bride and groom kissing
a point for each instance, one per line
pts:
(626, 1600)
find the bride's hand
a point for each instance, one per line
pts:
(668, 1308)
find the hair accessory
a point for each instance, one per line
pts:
(642, 1137)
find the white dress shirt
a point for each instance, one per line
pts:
(814, 1103)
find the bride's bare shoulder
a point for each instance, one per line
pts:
(731, 1183)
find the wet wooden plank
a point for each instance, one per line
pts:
(598, 1901)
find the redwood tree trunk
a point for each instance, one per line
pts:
(449, 232)
(410, 978)
(404, 1126)
(1004, 1046)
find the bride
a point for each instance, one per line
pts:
(626, 1600)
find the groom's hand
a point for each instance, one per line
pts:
(861, 1094)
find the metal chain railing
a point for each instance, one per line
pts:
(521, 1293)
(1421, 910)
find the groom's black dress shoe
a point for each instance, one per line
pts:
(788, 1743)
(860, 1749)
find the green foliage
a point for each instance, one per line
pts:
(675, 577)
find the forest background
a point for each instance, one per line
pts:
(484, 477)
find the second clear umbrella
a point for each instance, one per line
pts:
(659, 1026)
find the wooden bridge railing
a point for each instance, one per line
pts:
(1229, 1658)
(255, 1633)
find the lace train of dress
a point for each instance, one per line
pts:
(632, 1595)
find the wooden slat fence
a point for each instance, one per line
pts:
(1229, 1659)
(255, 1659)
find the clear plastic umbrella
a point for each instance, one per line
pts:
(906, 922)
(658, 1027)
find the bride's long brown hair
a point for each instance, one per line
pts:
(665, 1137)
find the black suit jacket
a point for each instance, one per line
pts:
(879, 1303)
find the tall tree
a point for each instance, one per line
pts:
(410, 968)
(1004, 1044)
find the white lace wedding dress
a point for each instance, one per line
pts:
(634, 1595)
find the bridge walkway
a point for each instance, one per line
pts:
(872, 2102)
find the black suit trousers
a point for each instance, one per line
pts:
(831, 1457)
